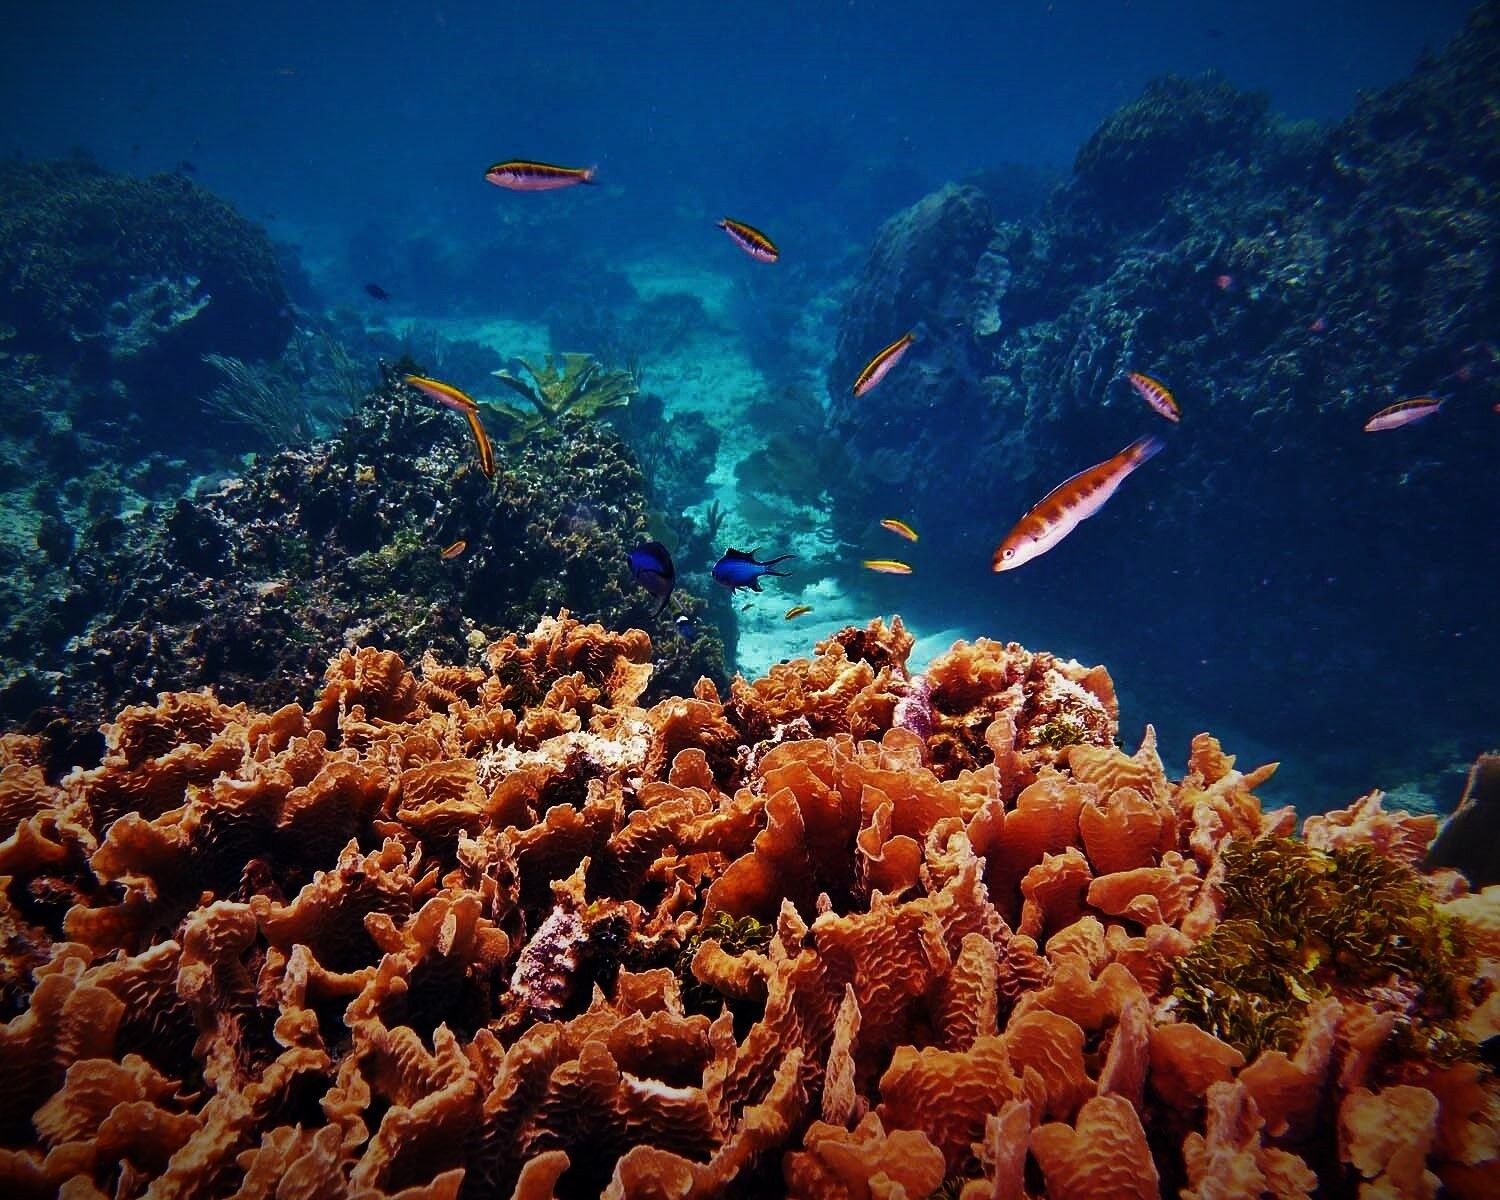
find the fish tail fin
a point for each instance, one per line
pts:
(589, 172)
(770, 562)
(778, 573)
(1143, 449)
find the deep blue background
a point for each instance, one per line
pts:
(324, 113)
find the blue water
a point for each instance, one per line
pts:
(358, 134)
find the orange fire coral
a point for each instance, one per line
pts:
(499, 931)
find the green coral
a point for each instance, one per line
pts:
(1059, 732)
(1300, 924)
(735, 936)
(581, 386)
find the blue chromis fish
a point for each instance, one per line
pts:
(687, 630)
(651, 564)
(740, 570)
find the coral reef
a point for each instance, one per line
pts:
(578, 387)
(503, 929)
(1285, 281)
(127, 283)
(335, 543)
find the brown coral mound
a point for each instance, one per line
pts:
(500, 932)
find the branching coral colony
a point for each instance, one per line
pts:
(500, 931)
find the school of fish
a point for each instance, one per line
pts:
(1041, 528)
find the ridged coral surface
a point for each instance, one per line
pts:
(500, 931)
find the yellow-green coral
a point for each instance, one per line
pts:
(1300, 923)
(581, 387)
(734, 936)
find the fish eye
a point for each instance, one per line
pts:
(1010, 552)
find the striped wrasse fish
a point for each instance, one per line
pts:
(522, 175)
(1156, 395)
(1070, 502)
(1403, 413)
(880, 366)
(751, 240)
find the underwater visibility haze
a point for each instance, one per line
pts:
(551, 566)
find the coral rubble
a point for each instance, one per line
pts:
(503, 930)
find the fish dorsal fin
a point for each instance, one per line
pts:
(657, 549)
(740, 555)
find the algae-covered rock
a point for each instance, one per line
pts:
(253, 586)
(1285, 282)
(133, 280)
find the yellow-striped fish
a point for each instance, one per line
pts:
(454, 550)
(444, 393)
(797, 610)
(482, 441)
(1403, 413)
(751, 240)
(1155, 393)
(523, 175)
(899, 528)
(880, 366)
(888, 566)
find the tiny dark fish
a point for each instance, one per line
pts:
(740, 570)
(377, 292)
(186, 167)
(651, 564)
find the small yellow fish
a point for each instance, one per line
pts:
(879, 366)
(797, 610)
(751, 240)
(455, 549)
(899, 528)
(482, 441)
(1156, 394)
(888, 566)
(444, 393)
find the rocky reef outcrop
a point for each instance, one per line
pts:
(251, 585)
(502, 929)
(124, 284)
(1285, 281)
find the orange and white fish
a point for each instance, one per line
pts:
(1403, 413)
(751, 240)
(1155, 394)
(454, 550)
(444, 393)
(880, 366)
(1070, 502)
(899, 528)
(888, 566)
(797, 610)
(522, 175)
(482, 442)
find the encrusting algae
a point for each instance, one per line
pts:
(499, 930)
